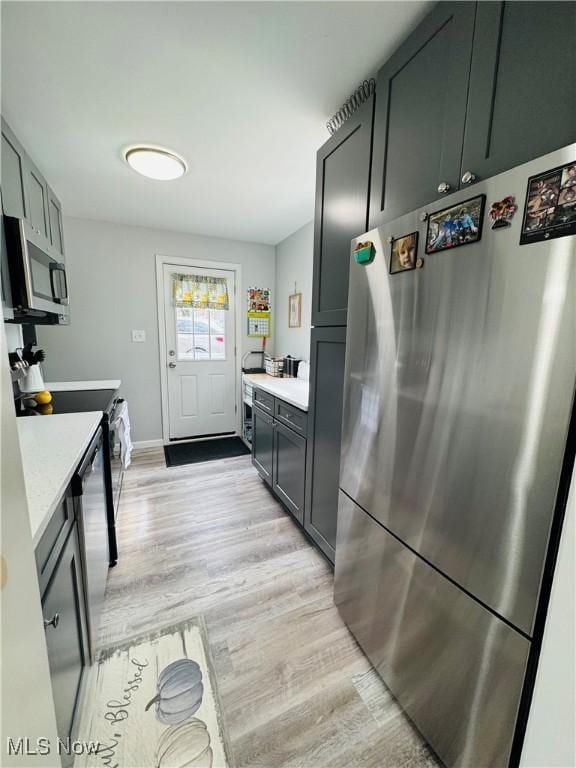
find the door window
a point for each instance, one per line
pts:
(200, 334)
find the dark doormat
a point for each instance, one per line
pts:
(205, 450)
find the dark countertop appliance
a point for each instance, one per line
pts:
(290, 369)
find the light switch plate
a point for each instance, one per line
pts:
(138, 336)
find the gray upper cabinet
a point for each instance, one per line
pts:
(55, 222)
(420, 113)
(36, 190)
(7, 311)
(342, 194)
(26, 194)
(522, 97)
(13, 171)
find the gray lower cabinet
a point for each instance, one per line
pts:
(262, 442)
(289, 473)
(65, 625)
(327, 359)
(279, 449)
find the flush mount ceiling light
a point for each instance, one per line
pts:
(155, 163)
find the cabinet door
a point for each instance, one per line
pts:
(342, 194)
(328, 353)
(262, 443)
(13, 196)
(420, 113)
(7, 311)
(289, 469)
(55, 222)
(522, 101)
(36, 191)
(62, 604)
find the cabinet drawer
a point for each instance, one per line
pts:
(264, 400)
(50, 545)
(291, 416)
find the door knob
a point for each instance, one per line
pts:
(171, 352)
(171, 365)
(53, 622)
(443, 187)
(468, 177)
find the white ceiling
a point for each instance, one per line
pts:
(241, 90)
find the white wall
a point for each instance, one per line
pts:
(13, 336)
(27, 706)
(112, 283)
(294, 257)
(551, 734)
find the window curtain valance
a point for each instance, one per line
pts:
(199, 291)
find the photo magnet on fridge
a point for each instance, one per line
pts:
(502, 212)
(461, 224)
(403, 253)
(550, 208)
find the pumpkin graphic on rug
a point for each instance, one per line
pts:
(180, 692)
(185, 746)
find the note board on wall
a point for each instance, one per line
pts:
(259, 313)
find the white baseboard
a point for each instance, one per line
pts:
(141, 444)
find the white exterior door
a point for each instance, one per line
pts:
(200, 361)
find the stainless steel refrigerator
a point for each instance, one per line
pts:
(456, 454)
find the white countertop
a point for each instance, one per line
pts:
(51, 450)
(293, 391)
(71, 386)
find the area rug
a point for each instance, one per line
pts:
(152, 702)
(206, 450)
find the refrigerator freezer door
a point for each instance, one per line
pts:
(454, 667)
(459, 387)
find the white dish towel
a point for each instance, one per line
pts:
(122, 427)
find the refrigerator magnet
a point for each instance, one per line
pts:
(364, 253)
(461, 224)
(403, 253)
(502, 212)
(550, 207)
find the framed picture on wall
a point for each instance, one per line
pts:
(294, 310)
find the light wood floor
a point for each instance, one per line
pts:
(295, 688)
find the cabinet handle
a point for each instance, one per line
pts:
(468, 177)
(444, 187)
(53, 622)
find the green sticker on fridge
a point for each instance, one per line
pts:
(364, 253)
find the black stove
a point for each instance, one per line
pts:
(72, 401)
(78, 401)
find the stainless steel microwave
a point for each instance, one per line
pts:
(38, 280)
